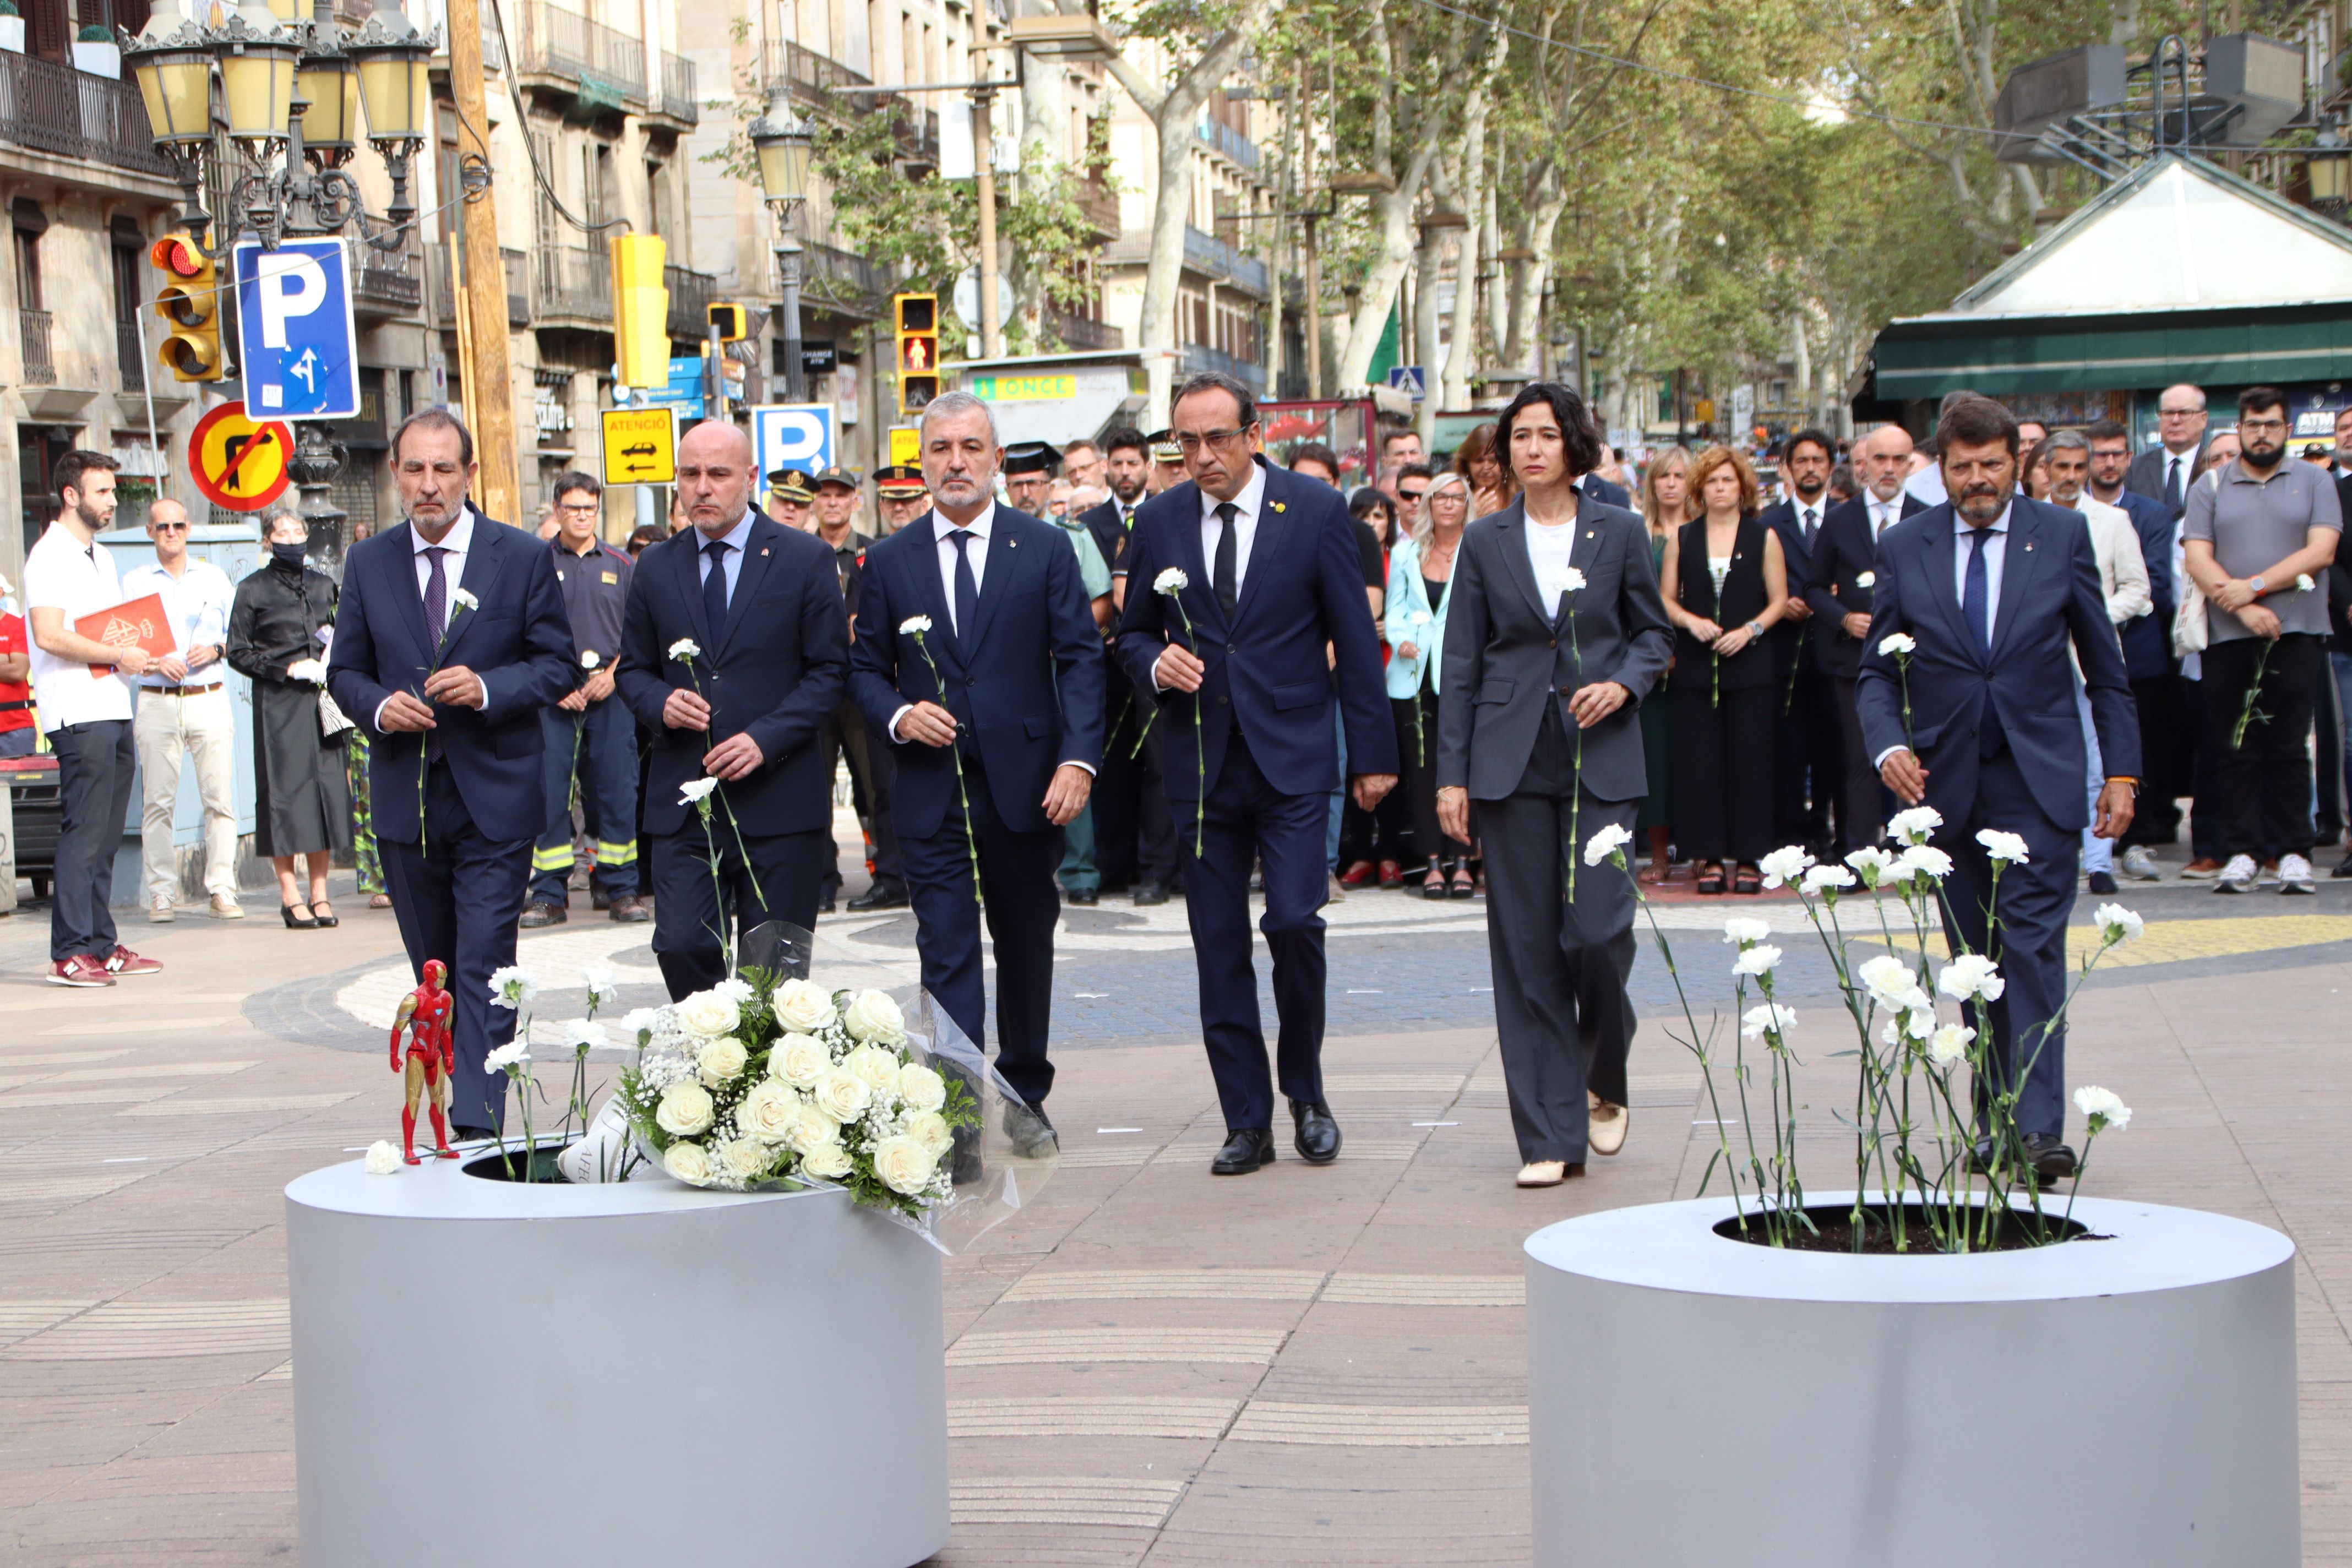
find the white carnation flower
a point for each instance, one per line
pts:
(1864, 580)
(1785, 864)
(1746, 931)
(506, 1057)
(694, 792)
(2116, 924)
(690, 1163)
(1914, 825)
(512, 987)
(802, 1007)
(465, 600)
(2007, 847)
(684, 1109)
(1919, 1021)
(799, 1061)
(1170, 582)
(827, 1162)
(602, 982)
(1571, 580)
(685, 650)
(584, 1035)
(1898, 643)
(1873, 865)
(1758, 959)
(872, 1016)
(591, 660)
(904, 1166)
(1827, 879)
(1609, 841)
(1969, 976)
(721, 1060)
(384, 1159)
(915, 625)
(1768, 1019)
(708, 1014)
(1921, 860)
(2102, 1108)
(639, 1023)
(2302, 581)
(1887, 978)
(1949, 1044)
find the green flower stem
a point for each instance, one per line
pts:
(1698, 1048)
(955, 753)
(2247, 712)
(1200, 741)
(750, 875)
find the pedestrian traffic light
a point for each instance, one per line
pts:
(916, 318)
(640, 311)
(732, 321)
(189, 303)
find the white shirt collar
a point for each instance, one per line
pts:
(1962, 527)
(979, 528)
(734, 536)
(457, 540)
(1250, 502)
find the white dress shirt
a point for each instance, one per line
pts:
(198, 601)
(458, 542)
(1248, 505)
(1995, 547)
(731, 561)
(2177, 467)
(1884, 514)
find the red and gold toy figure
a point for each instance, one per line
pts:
(432, 1058)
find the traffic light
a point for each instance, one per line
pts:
(733, 323)
(918, 321)
(189, 303)
(640, 311)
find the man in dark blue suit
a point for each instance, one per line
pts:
(1839, 576)
(1272, 579)
(1805, 763)
(2167, 727)
(450, 641)
(1994, 588)
(1604, 492)
(734, 651)
(994, 711)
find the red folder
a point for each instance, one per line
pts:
(139, 623)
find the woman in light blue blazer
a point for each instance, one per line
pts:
(1421, 568)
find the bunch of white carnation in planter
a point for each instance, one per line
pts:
(747, 1084)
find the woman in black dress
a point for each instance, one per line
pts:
(1724, 586)
(302, 804)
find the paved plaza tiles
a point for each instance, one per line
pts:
(1146, 1365)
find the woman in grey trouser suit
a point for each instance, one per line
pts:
(1537, 724)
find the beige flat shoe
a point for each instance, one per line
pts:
(1605, 1129)
(1543, 1172)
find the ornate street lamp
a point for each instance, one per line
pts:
(257, 60)
(784, 143)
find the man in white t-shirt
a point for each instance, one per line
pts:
(86, 719)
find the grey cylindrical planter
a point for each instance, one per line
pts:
(494, 1374)
(1700, 1401)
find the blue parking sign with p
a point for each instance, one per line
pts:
(297, 343)
(792, 436)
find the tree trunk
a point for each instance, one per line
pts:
(1424, 332)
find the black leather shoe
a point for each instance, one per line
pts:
(2103, 882)
(1033, 1135)
(1150, 893)
(537, 915)
(880, 895)
(1243, 1151)
(2344, 868)
(2052, 1160)
(628, 909)
(1317, 1140)
(824, 906)
(1085, 896)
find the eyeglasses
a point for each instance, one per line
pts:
(1406, 495)
(1220, 438)
(2178, 413)
(171, 528)
(577, 509)
(2260, 424)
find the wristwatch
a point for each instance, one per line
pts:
(2256, 585)
(1754, 630)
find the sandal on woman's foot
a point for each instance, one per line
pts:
(1433, 885)
(1463, 886)
(1749, 880)
(1392, 874)
(379, 900)
(1711, 879)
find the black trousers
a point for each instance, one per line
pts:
(1017, 894)
(1562, 1015)
(1134, 833)
(456, 898)
(1863, 797)
(2168, 749)
(2266, 780)
(873, 776)
(96, 762)
(1722, 760)
(1806, 757)
(782, 879)
(1417, 745)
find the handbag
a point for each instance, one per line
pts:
(2191, 620)
(332, 721)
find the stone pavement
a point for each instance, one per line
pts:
(1149, 1364)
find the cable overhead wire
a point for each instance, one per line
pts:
(522, 118)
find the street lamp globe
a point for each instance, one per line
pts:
(392, 58)
(330, 120)
(172, 59)
(257, 59)
(783, 140)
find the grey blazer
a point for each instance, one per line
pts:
(1504, 653)
(2146, 475)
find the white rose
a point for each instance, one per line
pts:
(382, 1158)
(769, 1111)
(745, 1158)
(904, 1166)
(802, 1008)
(921, 1089)
(721, 1059)
(874, 1067)
(707, 1012)
(690, 1163)
(930, 1130)
(873, 1018)
(812, 1132)
(1865, 579)
(842, 1094)
(799, 1059)
(828, 1164)
(685, 1109)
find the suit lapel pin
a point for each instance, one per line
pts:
(2029, 550)
(763, 549)
(1280, 506)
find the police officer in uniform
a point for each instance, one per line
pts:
(791, 493)
(590, 739)
(899, 496)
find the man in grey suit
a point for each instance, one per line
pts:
(1554, 632)
(2163, 471)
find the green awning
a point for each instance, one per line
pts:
(1927, 356)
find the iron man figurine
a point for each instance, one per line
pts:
(432, 1057)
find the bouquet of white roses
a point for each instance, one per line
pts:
(756, 1081)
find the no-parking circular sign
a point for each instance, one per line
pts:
(239, 463)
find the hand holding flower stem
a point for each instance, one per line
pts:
(917, 627)
(685, 651)
(1171, 584)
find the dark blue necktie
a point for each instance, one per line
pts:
(436, 615)
(967, 588)
(1976, 594)
(714, 586)
(2172, 497)
(1225, 574)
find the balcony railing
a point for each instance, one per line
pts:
(844, 280)
(445, 294)
(691, 297)
(1100, 204)
(388, 283)
(1220, 137)
(814, 76)
(1198, 357)
(919, 135)
(1081, 332)
(130, 356)
(609, 64)
(573, 283)
(33, 337)
(677, 100)
(53, 108)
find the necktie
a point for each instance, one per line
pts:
(1809, 525)
(967, 587)
(1976, 594)
(1225, 573)
(714, 587)
(436, 615)
(2172, 497)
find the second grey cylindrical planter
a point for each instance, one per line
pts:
(1695, 1400)
(489, 1376)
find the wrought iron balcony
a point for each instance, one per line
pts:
(130, 356)
(844, 280)
(388, 285)
(608, 65)
(814, 77)
(677, 100)
(1081, 332)
(1222, 138)
(690, 298)
(33, 340)
(445, 294)
(1198, 357)
(53, 108)
(572, 287)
